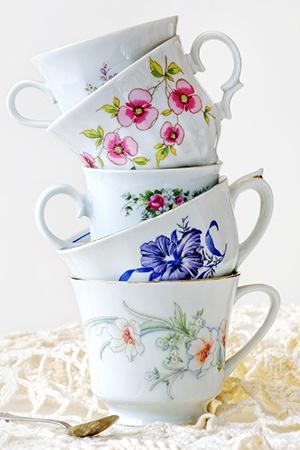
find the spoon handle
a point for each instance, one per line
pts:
(12, 418)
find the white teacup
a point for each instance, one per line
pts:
(198, 239)
(153, 114)
(118, 199)
(157, 351)
(74, 71)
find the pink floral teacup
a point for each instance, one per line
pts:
(153, 114)
(157, 351)
(74, 71)
(119, 199)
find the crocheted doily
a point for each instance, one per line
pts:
(46, 373)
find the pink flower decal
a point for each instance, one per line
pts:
(89, 160)
(183, 98)
(119, 149)
(156, 202)
(179, 200)
(138, 110)
(172, 134)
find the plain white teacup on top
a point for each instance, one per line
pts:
(157, 351)
(74, 71)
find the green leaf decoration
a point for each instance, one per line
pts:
(173, 69)
(161, 155)
(170, 78)
(98, 142)
(180, 319)
(173, 150)
(167, 112)
(100, 132)
(206, 112)
(158, 146)
(116, 102)
(110, 109)
(141, 160)
(155, 68)
(91, 134)
(206, 117)
(100, 162)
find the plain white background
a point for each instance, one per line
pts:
(264, 132)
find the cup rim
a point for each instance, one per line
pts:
(221, 183)
(39, 56)
(233, 275)
(65, 116)
(216, 165)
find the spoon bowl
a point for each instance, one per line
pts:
(81, 430)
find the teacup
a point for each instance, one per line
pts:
(157, 351)
(74, 71)
(198, 239)
(153, 114)
(118, 199)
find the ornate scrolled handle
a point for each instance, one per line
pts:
(233, 84)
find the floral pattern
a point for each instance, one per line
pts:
(104, 77)
(185, 255)
(140, 111)
(154, 203)
(119, 150)
(183, 98)
(189, 345)
(125, 336)
(89, 160)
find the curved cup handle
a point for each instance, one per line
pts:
(45, 196)
(274, 298)
(12, 108)
(253, 181)
(233, 84)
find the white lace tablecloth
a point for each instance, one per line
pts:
(46, 373)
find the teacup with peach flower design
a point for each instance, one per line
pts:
(158, 350)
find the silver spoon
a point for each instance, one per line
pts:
(81, 430)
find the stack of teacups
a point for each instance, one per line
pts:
(155, 276)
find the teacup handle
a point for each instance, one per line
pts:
(274, 298)
(12, 107)
(253, 181)
(233, 84)
(80, 200)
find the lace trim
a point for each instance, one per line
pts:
(46, 373)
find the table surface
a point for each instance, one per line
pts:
(46, 374)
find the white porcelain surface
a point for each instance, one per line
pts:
(197, 239)
(154, 114)
(118, 199)
(157, 350)
(74, 71)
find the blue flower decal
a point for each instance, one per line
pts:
(179, 257)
